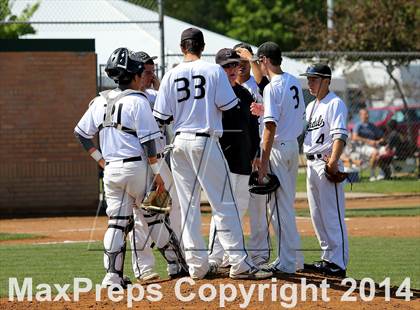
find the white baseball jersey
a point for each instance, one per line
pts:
(151, 95)
(252, 86)
(132, 111)
(198, 106)
(328, 118)
(284, 105)
(161, 142)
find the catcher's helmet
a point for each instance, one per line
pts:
(123, 64)
(269, 186)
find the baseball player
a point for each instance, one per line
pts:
(284, 110)
(165, 231)
(259, 239)
(127, 132)
(240, 142)
(194, 94)
(324, 142)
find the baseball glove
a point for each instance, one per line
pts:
(271, 183)
(337, 177)
(157, 202)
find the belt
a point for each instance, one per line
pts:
(126, 160)
(313, 156)
(197, 134)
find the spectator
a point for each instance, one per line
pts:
(368, 138)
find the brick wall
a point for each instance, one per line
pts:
(43, 169)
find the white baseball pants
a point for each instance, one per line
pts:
(199, 162)
(125, 186)
(284, 164)
(327, 205)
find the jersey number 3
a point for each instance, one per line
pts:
(296, 96)
(183, 85)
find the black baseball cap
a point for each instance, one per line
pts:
(270, 50)
(318, 70)
(144, 57)
(192, 34)
(244, 45)
(226, 56)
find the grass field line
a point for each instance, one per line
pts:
(79, 229)
(64, 242)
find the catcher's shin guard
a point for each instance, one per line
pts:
(114, 243)
(166, 241)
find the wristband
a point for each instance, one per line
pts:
(96, 155)
(155, 168)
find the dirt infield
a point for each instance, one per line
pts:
(68, 229)
(264, 301)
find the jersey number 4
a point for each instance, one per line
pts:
(320, 140)
(183, 85)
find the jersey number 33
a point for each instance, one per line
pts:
(183, 87)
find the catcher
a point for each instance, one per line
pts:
(324, 142)
(164, 222)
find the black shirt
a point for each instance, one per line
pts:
(240, 140)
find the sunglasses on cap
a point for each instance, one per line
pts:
(230, 65)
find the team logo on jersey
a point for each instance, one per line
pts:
(316, 124)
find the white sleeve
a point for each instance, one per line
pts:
(338, 117)
(225, 97)
(146, 126)
(86, 127)
(271, 109)
(162, 108)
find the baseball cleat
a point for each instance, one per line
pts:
(274, 270)
(180, 274)
(149, 275)
(213, 269)
(327, 269)
(252, 274)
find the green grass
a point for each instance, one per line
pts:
(402, 185)
(376, 258)
(7, 236)
(373, 212)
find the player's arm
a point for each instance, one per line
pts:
(337, 150)
(89, 146)
(338, 132)
(149, 148)
(267, 144)
(85, 130)
(255, 66)
(162, 110)
(225, 98)
(147, 131)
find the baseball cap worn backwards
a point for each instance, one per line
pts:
(226, 56)
(245, 46)
(318, 70)
(192, 34)
(144, 57)
(270, 50)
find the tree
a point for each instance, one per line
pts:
(369, 26)
(15, 30)
(257, 21)
(210, 15)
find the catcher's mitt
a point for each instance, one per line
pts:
(270, 185)
(157, 202)
(337, 177)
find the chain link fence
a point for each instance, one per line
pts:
(386, 84)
